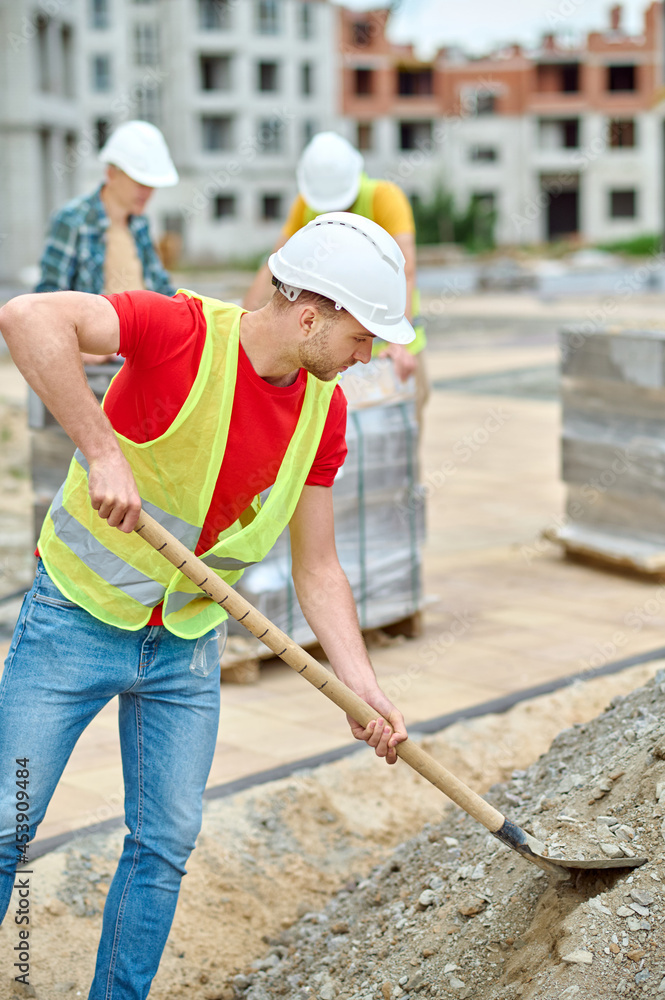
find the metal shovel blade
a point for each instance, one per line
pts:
(325, 681)
(532, 850)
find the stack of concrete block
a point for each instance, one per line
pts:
(613, 446)
(379, 516)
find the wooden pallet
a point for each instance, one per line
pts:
(610, 550)
(241, 660)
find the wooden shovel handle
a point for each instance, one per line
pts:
(309, 668)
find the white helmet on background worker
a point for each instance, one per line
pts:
(139, 149)
(329, 173)
(352, 261)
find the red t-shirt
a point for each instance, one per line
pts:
(162, 340)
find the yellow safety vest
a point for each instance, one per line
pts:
(364, 206)
(118, 577)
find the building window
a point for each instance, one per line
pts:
(267, 17)
(309, 130)
(306, 79)
(224, 206)
(483, 214)
(100, 14)
(485, 200)
(43, 50)
(483, 154)
(570, 133)
(270, 135)
(559, 133)
(46, 163)
(268, 77)
(217, 133)
(271, 207)
(621, 78)
(485, 102)
(622, 133)
(71, 156)
(306, 23)
(214, 15)
(363, 83)
(101, 74)
(415, 82)
(146, 44)
(215, 72)
(66, 34)
(102, 130)
(148, 103)
(361, 34)
(414, 135)
(365, 136)
(570, 78)
(558, 78)
(623, 204)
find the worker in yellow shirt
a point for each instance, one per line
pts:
(331, 178)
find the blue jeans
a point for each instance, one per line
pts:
(63, 667)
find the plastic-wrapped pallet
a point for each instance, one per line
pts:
(379, 514)
(613, 446)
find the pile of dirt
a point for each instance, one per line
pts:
(308, 887)
(453, 912)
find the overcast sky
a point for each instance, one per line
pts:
(478, 25)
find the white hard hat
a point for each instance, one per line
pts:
(329, 173)
(352, 261)
(140, 150)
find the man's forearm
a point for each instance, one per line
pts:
(45, 334)
(45, 349)
(328, 605)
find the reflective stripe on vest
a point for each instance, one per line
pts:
(101, 560)
(118, 577)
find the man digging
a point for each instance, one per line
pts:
(212, 406)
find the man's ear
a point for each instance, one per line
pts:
(308, 320)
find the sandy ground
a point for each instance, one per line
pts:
(269, 855)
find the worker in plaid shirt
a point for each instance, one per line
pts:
(73, 258)
(101, 242)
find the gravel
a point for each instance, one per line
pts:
(453, 912)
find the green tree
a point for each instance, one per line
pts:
(439, 221)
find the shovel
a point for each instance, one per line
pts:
(324, 680)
